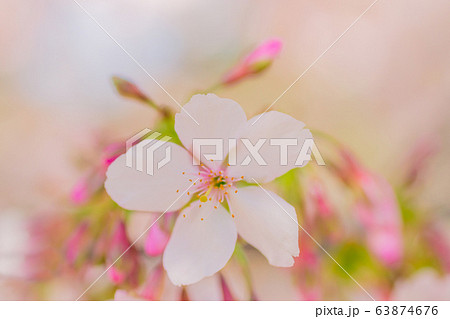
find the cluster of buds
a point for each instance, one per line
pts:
(377, 209)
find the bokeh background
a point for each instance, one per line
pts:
(382, 89)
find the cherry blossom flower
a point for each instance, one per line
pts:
(214, 207)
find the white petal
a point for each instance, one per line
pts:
(199, 248)
(271, 283)
(234, 277)
(217, 118)
(265, 225)
(207, 289)
(275, 127)
(134, 189)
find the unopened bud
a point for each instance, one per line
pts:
(156, 241)
(257, 61)
(124, 256)
(128, 89)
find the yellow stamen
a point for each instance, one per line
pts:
(204, 197)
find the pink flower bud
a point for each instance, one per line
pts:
(227, 296)
(418, 160)
(317, 200)
(110, 153)
(153, 285)
(257, 61)
(435, 236)
(116, 276)
(76, 244)
(380, 215)
(124, 257)
(156, 240)
(80, 192)
(128, 89)
(349, 170)
(386, 245)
